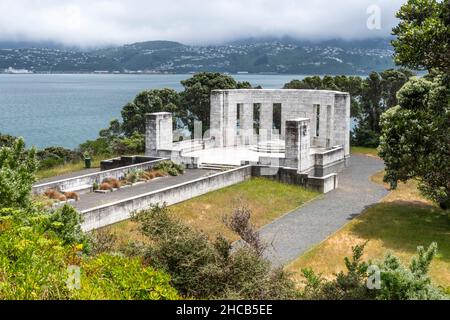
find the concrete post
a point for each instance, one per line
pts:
(216, 126)
(298, 144)
(158, 132)
(246, 123)
(266, 122)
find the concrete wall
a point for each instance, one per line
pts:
(90, 179)
(114, 212)
(334, 118)
(124, 161)
(158, 132)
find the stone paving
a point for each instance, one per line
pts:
(92, 200)
(296, 232)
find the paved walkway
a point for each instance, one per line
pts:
(92, 200)
(293, 234)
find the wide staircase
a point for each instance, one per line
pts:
(271, 146)
(217, 166)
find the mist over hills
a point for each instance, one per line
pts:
(284, 56)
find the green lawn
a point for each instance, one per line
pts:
(400, 223)
(364, 150)
(267, 200)
(66, 168)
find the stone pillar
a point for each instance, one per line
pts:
(158, 132)
(341, 125)
(217, 117)
(266, 122)
(246, 123)
(298, 144)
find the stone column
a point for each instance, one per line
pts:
(246, 123)
(265, 122)
(298, 144)
(217, 117)
(158, 132)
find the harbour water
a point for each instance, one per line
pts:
(67, 109)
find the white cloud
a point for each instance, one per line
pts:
(101, 22)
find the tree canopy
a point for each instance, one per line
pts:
(423, 35)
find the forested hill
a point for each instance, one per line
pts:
(251, 55)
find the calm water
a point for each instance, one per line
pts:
(66, 110)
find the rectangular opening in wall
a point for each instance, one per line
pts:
(238, 116)
(317, 112)
(256, 115)
(276, 122)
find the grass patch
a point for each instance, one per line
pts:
(267, 199)
(401, 222)
(364, 150)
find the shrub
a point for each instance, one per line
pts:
(114, 277)
(397, 281)
(72, 195)
(17, 174)
(169, 167)
(105, 186)
(159, 174)
(113, 182)
(206, 269)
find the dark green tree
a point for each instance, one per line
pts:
(197, 92)
(415, 138)
(155, 100)
(17, 175)
(423, 35)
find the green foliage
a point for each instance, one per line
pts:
(6, 140)
(121, 278)
(148, 101)
(196, 95)
(169, 167)
(53, 156)
(415, 138)
(423, 35)
(17, 169)
(100, 146)
(65, 222)
(346, 286)
(397, 282)
(32, 266)
(350, 84)
(38, 248)
(206, 269)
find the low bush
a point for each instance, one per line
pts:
(205, 269)
(113, 182)
(105, 186)
(396, 282)
(72, 195)
(169, 167)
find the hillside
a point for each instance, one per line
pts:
(252, 55)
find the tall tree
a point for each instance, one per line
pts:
(148, 101)
(423, 35)
(415, 140)
(196, 95)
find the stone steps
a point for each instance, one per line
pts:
(217, 166)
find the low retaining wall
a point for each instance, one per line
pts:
(117, 211)
(89, 179)
(124, 161)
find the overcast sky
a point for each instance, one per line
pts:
(89, 23)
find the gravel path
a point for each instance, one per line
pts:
(293, 234)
